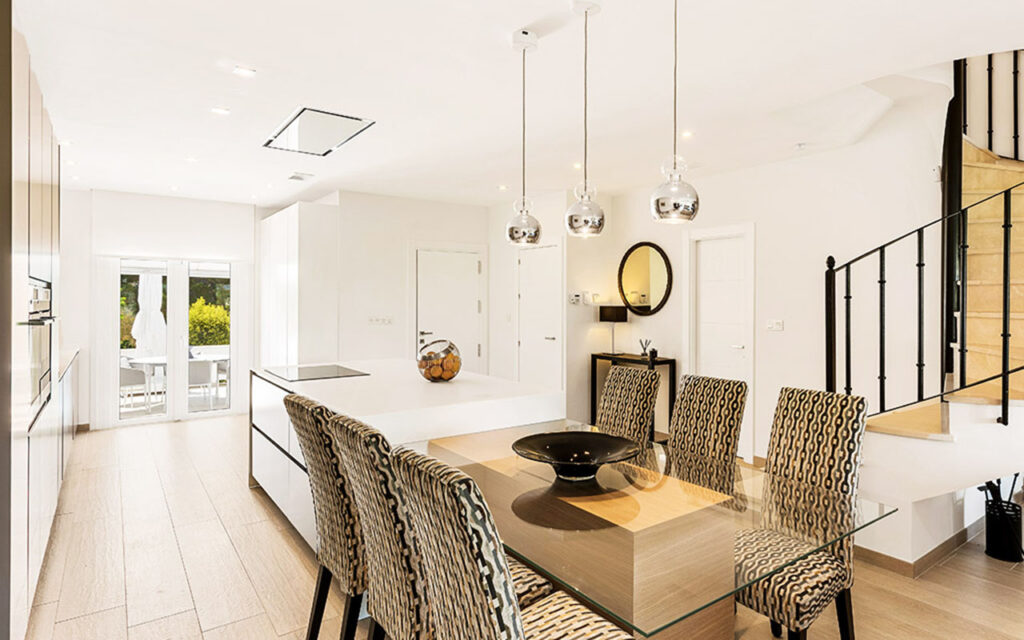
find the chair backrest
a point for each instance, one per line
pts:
(627, 402)
(338, 532)
(469, 587)
(132, 376)
(707, 417)
(200, 372)
(816, 439)
(396, 597)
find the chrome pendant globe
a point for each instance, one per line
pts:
(675, 200)
(584, 218)
(523, 228)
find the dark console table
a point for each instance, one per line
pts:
(650, 361)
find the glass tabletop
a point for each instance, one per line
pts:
(659, 538)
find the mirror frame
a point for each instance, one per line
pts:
(668, 281)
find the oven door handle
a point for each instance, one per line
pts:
(38, 322)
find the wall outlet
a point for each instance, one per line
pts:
(575, 298)
(776, 325)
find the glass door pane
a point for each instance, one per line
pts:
(209, 336)
(142, 381)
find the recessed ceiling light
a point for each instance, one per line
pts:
(800, 146)
(316, 132)
(244, 72)
(577, 165)
(191, 159)
(74, 177)
(70, 163)
(220, 111)
(502, 187)
(174, 188)
(686, 134)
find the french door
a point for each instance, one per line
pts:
(173, 341)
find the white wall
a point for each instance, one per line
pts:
(379, 237)
(107, 223)
(840, 202)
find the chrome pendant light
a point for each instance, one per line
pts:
(675, 200)
(585, 218)
(523, 228)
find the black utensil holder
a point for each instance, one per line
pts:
(1002, 531)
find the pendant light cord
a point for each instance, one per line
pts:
(524, 123)
(586, 48)
(675, 86)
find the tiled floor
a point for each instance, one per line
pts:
(159, 538)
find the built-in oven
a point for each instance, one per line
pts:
(40, 324)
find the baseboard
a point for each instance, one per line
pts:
(925, 562)
(82, 428)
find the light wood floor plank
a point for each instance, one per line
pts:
(235, 503)
(257, 628)
(181, 626)
(92, 494)
(41, 621)
(155, 582)
(102, 625)
(51, 576)
(221, 588)
(330, 630)
(187, 499)
(94, 575)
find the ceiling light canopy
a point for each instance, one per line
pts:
(220, 111)
(315, 132)
(675, 200)
(244, 72)
(585, 218)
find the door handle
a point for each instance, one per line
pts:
(426, 333)
(549, 337)
(738, 346)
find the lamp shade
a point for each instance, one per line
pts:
(612, 314)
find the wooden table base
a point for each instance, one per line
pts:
(716, 622)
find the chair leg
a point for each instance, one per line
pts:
(316, 614)
(797, 635)
(844, 611)
(376, 632)
(776, 629)
(351, 616)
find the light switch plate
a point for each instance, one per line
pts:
(776, 325)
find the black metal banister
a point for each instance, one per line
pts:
(830, 324)
(881, 329)
(1004, 417)
(920, 315)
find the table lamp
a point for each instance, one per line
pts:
(614, 315)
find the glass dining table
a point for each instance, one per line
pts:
(658, 543)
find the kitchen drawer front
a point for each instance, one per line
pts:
(300, 505)
(268, 412)
(270, 468)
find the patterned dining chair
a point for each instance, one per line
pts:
(813, 463)
(707, 417)
(396, 597)
(627, 403)
(339, 536)
(470, 588)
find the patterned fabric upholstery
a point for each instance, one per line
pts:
(707, 417)
(396, 593)
(814, 460)
(470, 587)
(627, 402)
(338, 531)
(530, 586)
(559, 617)
(470, 591)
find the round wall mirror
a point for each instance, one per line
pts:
(645, 278)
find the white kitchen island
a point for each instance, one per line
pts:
(394, 399)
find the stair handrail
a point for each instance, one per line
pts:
(960, 217)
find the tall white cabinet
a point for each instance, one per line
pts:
(299, 281)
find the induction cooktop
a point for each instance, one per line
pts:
(313, 372)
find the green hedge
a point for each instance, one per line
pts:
(208, 324)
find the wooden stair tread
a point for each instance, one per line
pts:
(1014, 315)
(996, 166)
(926, 420)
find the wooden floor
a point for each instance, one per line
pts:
(159, 538)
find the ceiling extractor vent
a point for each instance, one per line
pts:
(298, 176)
(315, 132)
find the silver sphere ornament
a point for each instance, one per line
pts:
(584, 218)
(675, 200)
(523, 228)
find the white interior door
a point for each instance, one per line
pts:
(449, 302)
(722, 320)
(540, 317)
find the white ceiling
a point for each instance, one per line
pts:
(131, 82)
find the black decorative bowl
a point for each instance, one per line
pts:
(576, 455)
